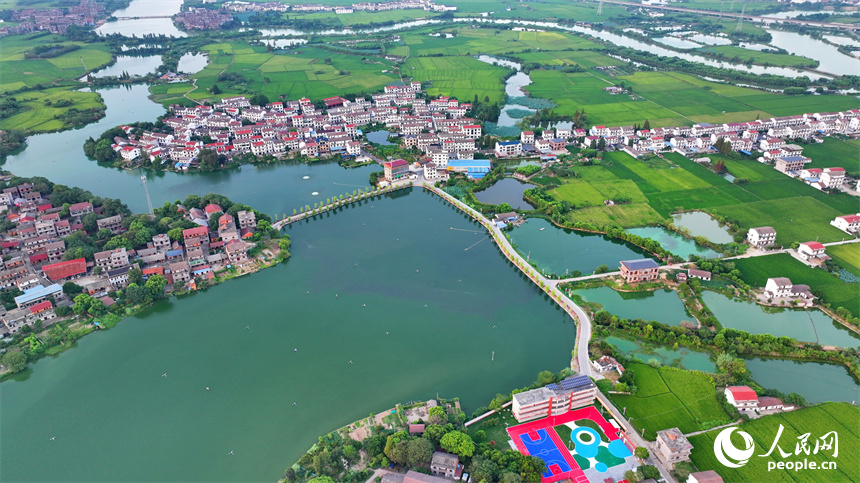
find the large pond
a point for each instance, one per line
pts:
(506, 190)
(803, 325)
(116, 418)
(674, 242)
(702, 224)
(662, 305)
(815, 381)
(191, 63)
(830, 59)
(133, 66)
(379, 137)
(681, 357)
(561, 251)
(274, 189)
(140, 25)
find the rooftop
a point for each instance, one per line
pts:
(642, 264)
(674, 439)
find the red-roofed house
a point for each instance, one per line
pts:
(44, 208)
(742, 397)
(148, 272)
(416, 429)
(211, 209)
(811, 249)
(194, 237)
(38, 258)
(80, 209)
(41, 307)
(63, 270)
(395, 169)
(849, 223)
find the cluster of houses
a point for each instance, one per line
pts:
(34, 252)
(765, 135)
(444, 467)
(278, 128)
(426, 5)
(54, 20)
(202, 18)
(548, 146)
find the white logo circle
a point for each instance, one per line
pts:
(724, 449)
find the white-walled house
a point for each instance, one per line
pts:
(811, 249)
(741, 397)
(848, 223)
(778, 287)
(763, 236)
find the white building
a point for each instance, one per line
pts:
(849, 223)
(778, 287)
(741, 397)
(554, 399)
(763, 236)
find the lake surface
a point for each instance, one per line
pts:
(139, 27)
(803, 325)
(683, 357)
(273, 189)
(837, 39)
(560, 251)
(815, 381)
(379, 137)
(830, 59)
(710, 39)
(506, 190)
(674, 242)
(702, 224)
(115, 418)
(192, 63)
(513, 88)
(134, 66)
(661, 305)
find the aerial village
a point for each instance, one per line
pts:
(37, 262)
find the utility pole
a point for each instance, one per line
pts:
(600, 8)
(148, 199)
(741, 19)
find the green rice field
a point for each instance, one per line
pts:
(460, 77)
(817, 421)
(668, 398)
(835, 153)
(39, 116)
(18, 71)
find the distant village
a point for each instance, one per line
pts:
(36, 263)
(426, 5)
(54, 20)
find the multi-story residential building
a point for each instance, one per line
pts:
(644, 270)
(672, 446)
(112, 223)
(763, 236)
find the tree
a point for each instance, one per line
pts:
(135, 276)
(641, 452)
(82, 304)
(215, 90)
(71, 288)
(648, 471)
(208, 159)
(437, 415)
(631, 476)
(435, 432)
(321, 479)
(259, 99)
(155, 286)
(646, 125)
(16, 361)
(419, 451)
(458, 443)
(602, 269)
(545, 377)
(175, 234)
(97, 308)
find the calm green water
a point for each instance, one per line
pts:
(132, 65)
(274, 189)
(701, 224)
(115, 418)
(506, 190)
(560, 251)
(686, 358)
(803, 325)
(662, 305)
(674, 242)
(817, 382)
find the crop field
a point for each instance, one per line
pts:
(18, 71)
(460, 77)
(786, 60)
(41, 116)
(835, 153)
(363, 18)
(585, 58)
(669, 98)
(668, 398)
(302, 72)
(838, 293)
(817, 420)
(847, 256)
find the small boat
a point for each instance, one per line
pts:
(542, 228)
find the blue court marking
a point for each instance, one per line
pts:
(619, 449)
(545, 449)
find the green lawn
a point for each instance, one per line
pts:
(668, 398)
(817, 420)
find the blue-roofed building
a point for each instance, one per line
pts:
(37, 294)
(554, 399)
(643, 270)
(474, 168)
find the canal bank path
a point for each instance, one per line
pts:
(581, 362)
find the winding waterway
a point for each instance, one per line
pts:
(141, 26)
(115, 416)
